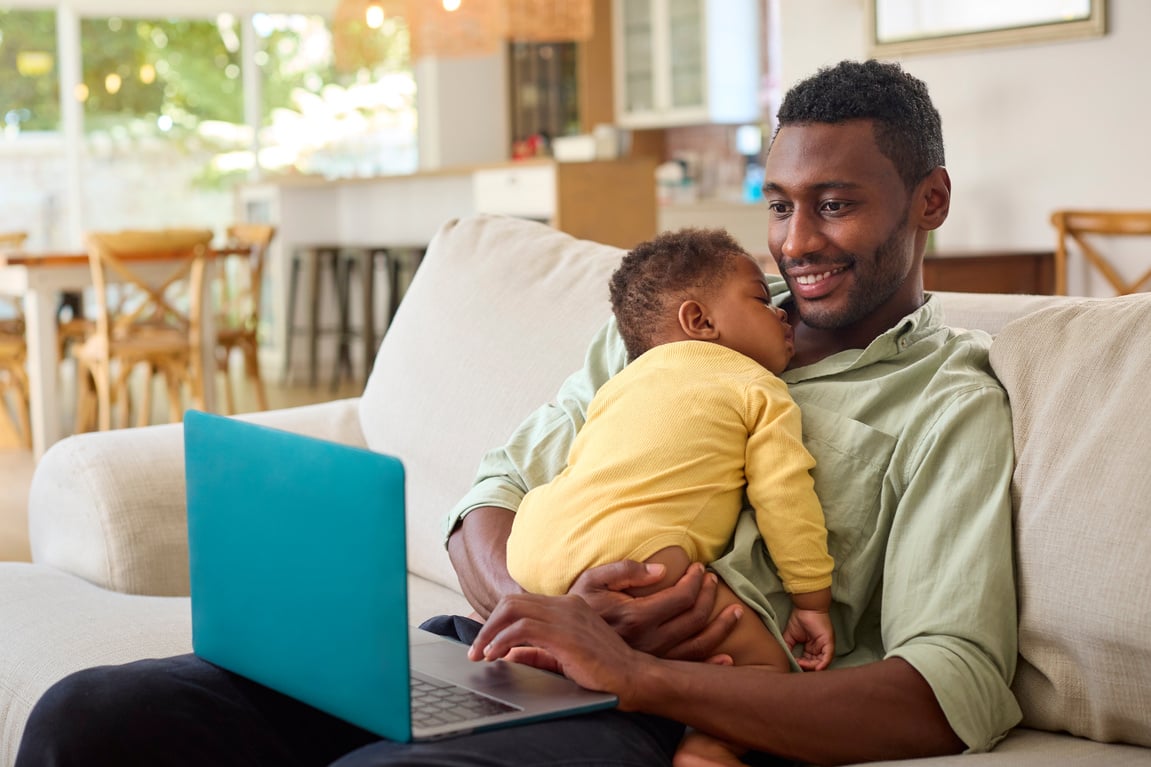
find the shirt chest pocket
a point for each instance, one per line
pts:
(852, 460)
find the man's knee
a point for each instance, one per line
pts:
(106, 709)
(68, 720)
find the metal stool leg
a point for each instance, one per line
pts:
(293, 291)
(370, 346)
(345, 265)
(394, 265)
(318, 257)
(412, 257)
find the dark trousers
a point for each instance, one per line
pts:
(185, 711)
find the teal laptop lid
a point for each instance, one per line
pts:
(299, 582)
(295, 545)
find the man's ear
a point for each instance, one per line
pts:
(696, 322)
(935, 199)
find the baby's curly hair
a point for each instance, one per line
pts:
(658, 274)
(908, 129)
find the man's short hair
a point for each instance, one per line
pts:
(658, 274)
(908, 130)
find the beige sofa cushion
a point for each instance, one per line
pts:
(109, 506)
(499, 313)
(52, 624)
(990, 311)
(1031, 748)
(1077, 376)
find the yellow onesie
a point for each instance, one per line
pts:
(669, 446)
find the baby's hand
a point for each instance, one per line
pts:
(813, 629)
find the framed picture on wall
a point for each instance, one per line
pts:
(899, 27)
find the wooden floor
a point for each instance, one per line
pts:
(16, 465)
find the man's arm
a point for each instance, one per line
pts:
(478, 550)
(477, 528)
(883, 710)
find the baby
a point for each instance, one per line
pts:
(659, 470)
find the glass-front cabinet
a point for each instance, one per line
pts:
(684, 62)
(686, 65)
(636, 33)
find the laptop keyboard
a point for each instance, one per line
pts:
(437, 703)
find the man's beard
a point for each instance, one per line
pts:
(869, 291)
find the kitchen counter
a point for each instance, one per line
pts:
(746, 221)
(310, 180)
(611, 202)
(581, 198)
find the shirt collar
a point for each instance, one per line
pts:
(919, 324)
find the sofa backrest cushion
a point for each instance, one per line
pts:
(989, 312)
(1077, 378)
(499, 313)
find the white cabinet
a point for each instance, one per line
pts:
(584, 199)
(686, 62)
(528, 192)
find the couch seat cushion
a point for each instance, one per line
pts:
(53, 623)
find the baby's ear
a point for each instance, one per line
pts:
(696, 322)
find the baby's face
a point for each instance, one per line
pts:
(747, 321)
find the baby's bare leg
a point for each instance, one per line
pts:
(750, 643)
(675, 560)
(699, 749)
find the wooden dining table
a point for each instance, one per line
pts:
(40, 279)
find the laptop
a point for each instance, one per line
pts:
(299, 582)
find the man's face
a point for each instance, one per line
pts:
(839, 227)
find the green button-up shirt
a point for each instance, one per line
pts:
(913, 449)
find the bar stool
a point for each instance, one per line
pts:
(395, 262)
(322, 257)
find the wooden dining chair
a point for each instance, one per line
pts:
(148, 286)
(239, 277)
(1090, 232)
(11, 310)
(12, 240)
(15, 429)
(14, 418)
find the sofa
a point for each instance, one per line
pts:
(499, 313)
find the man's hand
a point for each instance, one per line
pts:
(561, 634)
(673, 623)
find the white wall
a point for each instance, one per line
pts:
(463, 110)
(1028, 128)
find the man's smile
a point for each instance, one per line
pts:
(811, 279)
(808, 283)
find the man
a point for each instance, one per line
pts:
(912, 439)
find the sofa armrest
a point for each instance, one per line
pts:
(110, 506)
